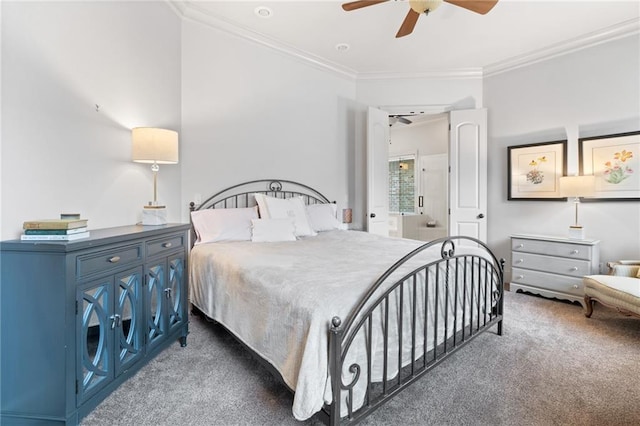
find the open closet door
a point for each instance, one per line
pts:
(468, 173)
(378, 172)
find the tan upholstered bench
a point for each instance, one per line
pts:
(620, 291)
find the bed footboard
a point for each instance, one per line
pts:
(406, 326)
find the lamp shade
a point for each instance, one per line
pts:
(152, 145)
(577, 186)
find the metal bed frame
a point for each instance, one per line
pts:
(482, 278)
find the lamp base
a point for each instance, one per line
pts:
(154, 215)
(576, 232)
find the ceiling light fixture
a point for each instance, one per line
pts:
(342, 47)
(424, 6)
(263, 12)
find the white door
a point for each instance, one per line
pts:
(435, 189)
(468, 173)
(378, 172)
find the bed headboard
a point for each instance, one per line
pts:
(240, 195)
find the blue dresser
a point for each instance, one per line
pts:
(79, 318)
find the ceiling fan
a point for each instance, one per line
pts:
(397, 118)
(424, 6)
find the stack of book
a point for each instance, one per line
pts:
(67, 228)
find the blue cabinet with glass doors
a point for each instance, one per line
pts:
(79, 318)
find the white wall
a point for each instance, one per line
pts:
(429, 136)
(60, 59)
(436, 92)
(595, 91)
(249, 112)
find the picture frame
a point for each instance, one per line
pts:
(535, 170)
(615, 162)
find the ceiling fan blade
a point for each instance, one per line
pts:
(408, 24)
(404, 120)
(353, 5)
(478, 6)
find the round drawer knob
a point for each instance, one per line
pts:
(576, 286)
(520, 246)
(167, 245)
(519, 277)
(114, 259)
(575, 251)
(519, 260)
(575, 268)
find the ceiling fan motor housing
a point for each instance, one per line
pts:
(424, 6)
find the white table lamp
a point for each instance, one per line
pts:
(576, 187)
(154, 146)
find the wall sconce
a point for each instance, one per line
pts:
(154, 146)
(347, 215)
(576, 187)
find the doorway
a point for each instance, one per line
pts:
(423, 138)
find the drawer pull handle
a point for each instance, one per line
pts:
(519, 260)
(576, 286)
(167, 245)
(575, 268)
(114, 259)
(520, 246)
(575, 251)
(519, 277)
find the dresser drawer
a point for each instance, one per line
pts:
(108, 260)
(551, 248)
(552, 282)
(166, 244)
(558, 265)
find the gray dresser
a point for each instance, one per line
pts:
(552, 266)
(79, 318)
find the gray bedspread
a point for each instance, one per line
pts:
(279, 298)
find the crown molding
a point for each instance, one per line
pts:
(189, 10)
(614, 32)
(460, 73)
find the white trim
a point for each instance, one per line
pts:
(615, 32)
(416, 109)
(461, 73)
(189, 10)
(193, 13)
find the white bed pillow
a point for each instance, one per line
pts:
(282, 208)
(322, 217)
(214, 225)
(272, 230)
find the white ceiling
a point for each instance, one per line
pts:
(449, 41)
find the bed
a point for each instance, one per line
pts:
(345, 319)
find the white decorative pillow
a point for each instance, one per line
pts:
(322, 217)
(213, 225)
(272, 230)
(281, 208)
(261, 201)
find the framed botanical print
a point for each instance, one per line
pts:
(535, 170)
(615, 162)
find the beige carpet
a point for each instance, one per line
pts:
(552, 366)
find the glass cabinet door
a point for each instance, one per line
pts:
(156, 327)
(175, 304)
(95, 337)
(129, 338)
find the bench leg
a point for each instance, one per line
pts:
(588, 306)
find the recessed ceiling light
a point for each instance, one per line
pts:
(342, 47)
(263, 12)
